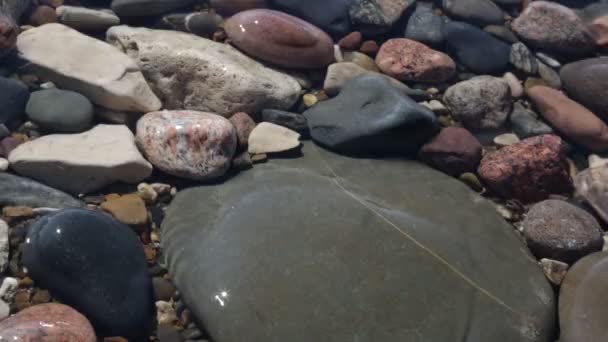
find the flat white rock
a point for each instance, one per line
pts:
(268, 138)
(84, 162)
(83, 18)
(4, 245)
(86, 65)
(194, 73)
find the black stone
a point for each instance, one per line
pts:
(476, 49)
(60, 111)
(371, 117)
(95, 264)
(13, 99)
(15, 190)
(137, 8)
(293, 121)
(331, 16)
(477, 12)
(425, 26)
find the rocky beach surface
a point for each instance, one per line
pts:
(289, 170)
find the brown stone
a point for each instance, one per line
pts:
(47, 322)
(583, 305)
(453, 151)
(22, 300)
(573, 120)
(598, 30)
(280, 38)
(370, 48)
(558, 230)
(244, 124)
(17, 212)
(586, 82)
(41, 297)
(529, 171)
(8, 35)
(150, 254)
(229, 7)
(409, 60)
(351, 41)
(43, 15)
(128, 209)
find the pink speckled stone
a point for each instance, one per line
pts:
(244, 124)
(47, 322)
(280, 38)
(188, 144)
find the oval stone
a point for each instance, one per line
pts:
(586, 81)
(188, 144)
(408, 60)
(47, 322)
(229, 7)
(280, 38)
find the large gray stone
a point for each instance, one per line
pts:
(24, 191)
(328, 248)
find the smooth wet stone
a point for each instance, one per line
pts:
(188, 144)
(573, 120)
(503, 33)
(95, 264)
(409, 60)
(193, 73)
(480, 103)
(478, 12)
(425, 25)
(84, 162)
(350, 249)
(270, 138)
(61, 111)
(280, 39)
(293, 121)
(551, 26)
(476, 49)
(586, 81)
(558, 230)
(523, 59)
(549, 76)
(330, 16)
(82, 18)
(74, 61)
(20, 191)
(582, 305)
(371, 116)
(47, 322)
(42, 15)
(592, 186)
(377, 16)
(137, 8)
(13, 98)
(229, 7)
(453, 151)
(529, 171)
(525, 123)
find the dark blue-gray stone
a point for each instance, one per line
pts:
(424, 25)
(138, 8)
(293, 121)
(16, 191)
(96, 265)
(60, 111)
(371, 117)
(13, 98)
(329, 248)
(476, 12)
(476, 49)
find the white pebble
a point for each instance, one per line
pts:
(165, 313)
(8, 288)
(338, 54)
(147, 193)
(161, 188)
(5, 310)
(3, 164)
(506, 139)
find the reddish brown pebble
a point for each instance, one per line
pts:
(529, 171)
(244, 124)
(408, 60)
(280, 38)
(454, 151)
(572, 119)
(598, 30)
(370, 48)
(47, 322)
(43, 15)
(8, 34)
(229, 7)
(351, 41)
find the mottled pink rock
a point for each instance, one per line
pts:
(572, 119)
(453, 151)
(229, 7)
(599, 31)
(47, 322)
(409, 60)
(529, 171)
(551, 26)
(188, 144)
(244, 124)
(280, 39)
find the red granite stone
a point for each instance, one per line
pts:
(453, 151)
(281, 39)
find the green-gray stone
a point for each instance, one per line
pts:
(329, 248)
